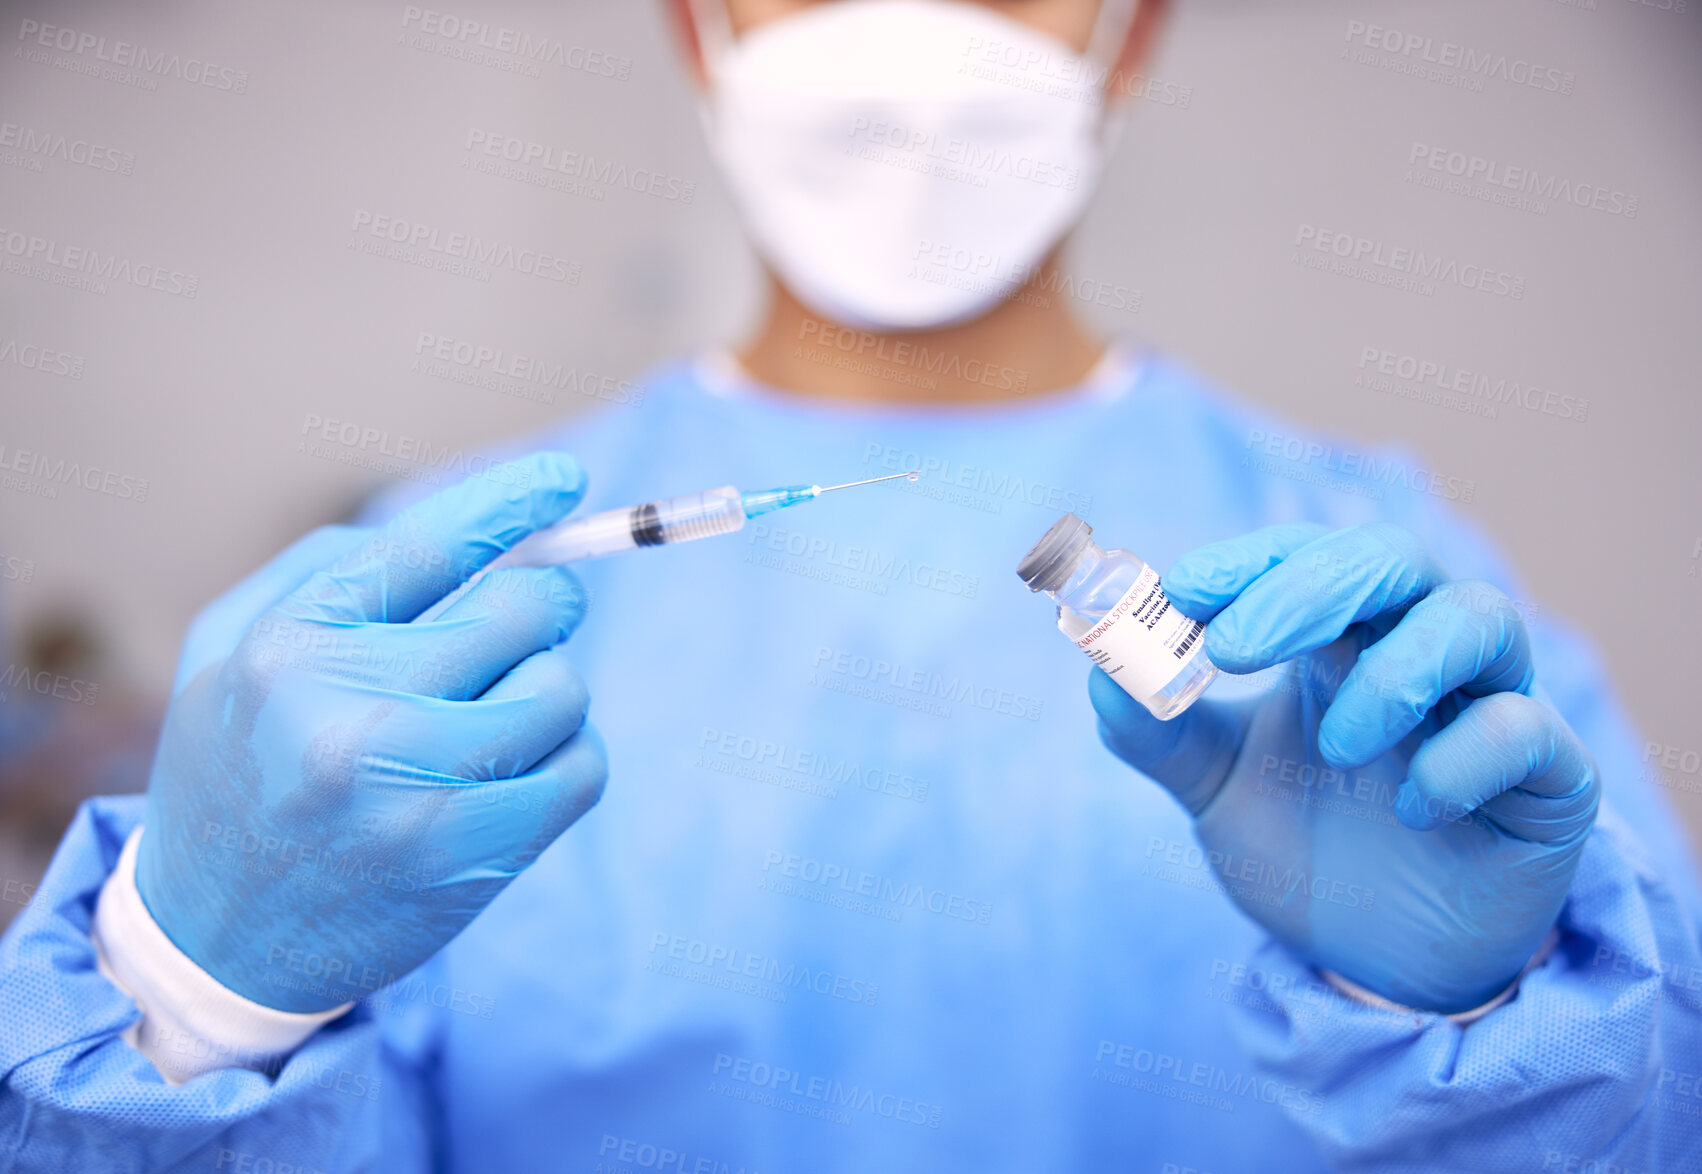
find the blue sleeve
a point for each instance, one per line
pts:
(1596, 1064)
(75, 1096)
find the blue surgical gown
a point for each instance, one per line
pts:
(865, 892)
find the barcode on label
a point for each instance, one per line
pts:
(1182, 648)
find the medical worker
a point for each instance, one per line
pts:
(876, 884)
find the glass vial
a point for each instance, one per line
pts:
(1114, 608)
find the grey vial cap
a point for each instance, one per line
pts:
(1047, 567)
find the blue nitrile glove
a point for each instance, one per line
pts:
(1400, 808)
(339, 791)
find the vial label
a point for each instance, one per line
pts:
(1142, 642)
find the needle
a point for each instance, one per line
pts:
(913, 474)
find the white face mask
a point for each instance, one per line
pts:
(905, 164)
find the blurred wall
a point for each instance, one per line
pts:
(238, 194)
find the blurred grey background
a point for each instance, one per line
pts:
(243, 152)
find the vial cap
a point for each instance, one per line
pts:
(1047, 567)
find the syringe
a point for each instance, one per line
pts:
(654, 523)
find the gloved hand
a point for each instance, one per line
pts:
(1402, 808)
(339, 791)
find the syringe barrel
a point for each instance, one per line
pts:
(656, 523)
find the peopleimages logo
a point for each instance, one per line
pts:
(995, 485)
(125, 55)
(1473, 63)
(894, 891)
(1063, 75)
(1379, 369)
(864, 566)
(915, 362)
(402, 453)
(918, 688)
(948, 154)
(738, 963)
(39, 474)
(508, 372)
(1411, 268)
(39, 144)
(460, 246)
(1365, 474)
(807, 765)
(1498, 180)
(826, 1090)
(1168, 1074)
(643, 1155)
(43, 359)
(474, 40)
(1032, 282)
(576, 165)
(47, 684)
(1259, 881)
(87, 268)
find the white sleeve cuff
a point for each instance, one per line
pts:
(1372, 999)
(191, 1023)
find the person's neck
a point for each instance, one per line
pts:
(1028, 346)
